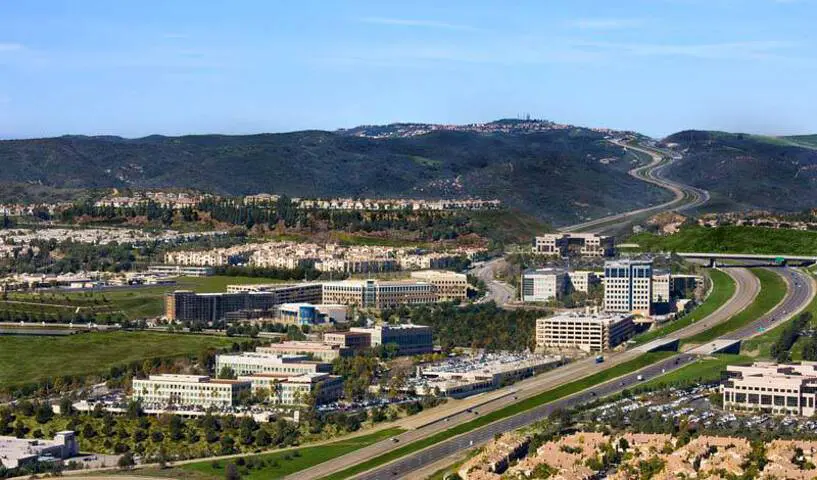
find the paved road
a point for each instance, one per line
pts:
(500, 292)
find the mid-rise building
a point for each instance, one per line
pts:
(628, 286)
(188, 390)
(296, 390)
(249, 363)
(772, 388)
(319, 351)
(587, 332)
(309, 314)
(379, 294)
(543, 285)
(409, 339)
(181, 270)
(450, 286)
(582, 244)
(582, 280)
(661, 287)
(27, 452)
(355, 341)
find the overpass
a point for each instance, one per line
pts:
(780, 259)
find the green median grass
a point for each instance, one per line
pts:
(723, 287)
(772, 291)
(700, 371)
(281, 464)
(521, 406)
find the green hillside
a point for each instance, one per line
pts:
(731, 239)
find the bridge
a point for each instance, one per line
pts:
(780, 259)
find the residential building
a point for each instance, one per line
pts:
(628, 286)
(319, 351)
(188, 390)
(581, 244)
(543, 285)
(409, 339)
(772, 388)
(248, 363)
(379, 294)
(25, 452)
(295, 390)
(450, 286)
(588, 332)
(355, 341)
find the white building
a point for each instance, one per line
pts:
(193, 390)
(628, 286)
(582, 280)
(410, 339)
(772, 388)
(181, 270)
(543, 285)
(21, 452)
(450, 286)
(309, 314)
(587, 332)
(582, 244)
(295, 390)
(379, 293)
(248, 363)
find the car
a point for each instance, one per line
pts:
(640, 378)
(663, 370)
(395, 439)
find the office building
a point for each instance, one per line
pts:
(355, 341)
(248, 363)
(318, 351)
(628, 286)
(684, 286)
(379, 294)
(180, 270)
(409, 339)
(580, 244)
(543, 285)
(309, 314)
(587, 332)
(188, 390)
(295, 390)
(582, 280)
(27, 452)
(450, 286)
(661, 287)
(185, 305)
(772, 388)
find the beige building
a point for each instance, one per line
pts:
(450, 286)
(628, 286)
(188, 390)
(295, 390)
(582, 280)
(320, 351)
(582, 244)
(379, 294)
(772, 388)
(587, 332)
(354, 341)
(248, 363)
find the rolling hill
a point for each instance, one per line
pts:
(560, 175)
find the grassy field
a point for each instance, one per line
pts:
(521, 406)
(280, 464)
(27, 359)
(731, 239)
(723, 287)
(772, 291)
(700, 371)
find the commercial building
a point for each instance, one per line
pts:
(628, 286)
(319, 351)
(24, 452)
(543, 285)
(295, 390)
(355, 341)
(683, 286)
(181, 270)
(582, 244)
(661, 287)
(192, 390)
(587, 332)
(450, 286)
(248, 363)
(379, 294)
(409, 339)
(309, 314)
(772, 388)
(185, 305)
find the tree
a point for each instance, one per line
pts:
(66, 407)
(262, 438)
(126, 461)
(231, 472)
(44, 413)
(227, 373)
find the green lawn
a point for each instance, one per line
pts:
(280, 464)
(772, 291)
(700, 371)
(29, 359)
(540, 399)
(731, 239)
(723, 287)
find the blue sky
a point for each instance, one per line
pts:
(133, 68)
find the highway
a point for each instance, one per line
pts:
(499, 292)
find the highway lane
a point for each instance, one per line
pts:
(499, 292)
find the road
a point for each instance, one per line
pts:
(795, 300)
(684, 196)
(499, 292)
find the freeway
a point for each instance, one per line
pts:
(684, 196)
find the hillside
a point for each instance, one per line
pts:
(560, 175)
(731, 239)
(753, 171)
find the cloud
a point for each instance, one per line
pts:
(606, 23)
(403, 22)
(10, 47)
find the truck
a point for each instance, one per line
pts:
(600, 359)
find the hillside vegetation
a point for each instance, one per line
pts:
(731, 239)
(556, 175)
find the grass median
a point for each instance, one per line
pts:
(521, 406)
(723, 287)
(772, 291)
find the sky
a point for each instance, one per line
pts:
(135, 68)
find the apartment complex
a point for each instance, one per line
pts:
(409, 339)
(355, 341)
(587, 332)
(193, 390)
(295, 390)
(628, 286)
(772, 388)
(379, 294)
(249, 363)
(582, 244)
(320, 351)
(450, 286)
